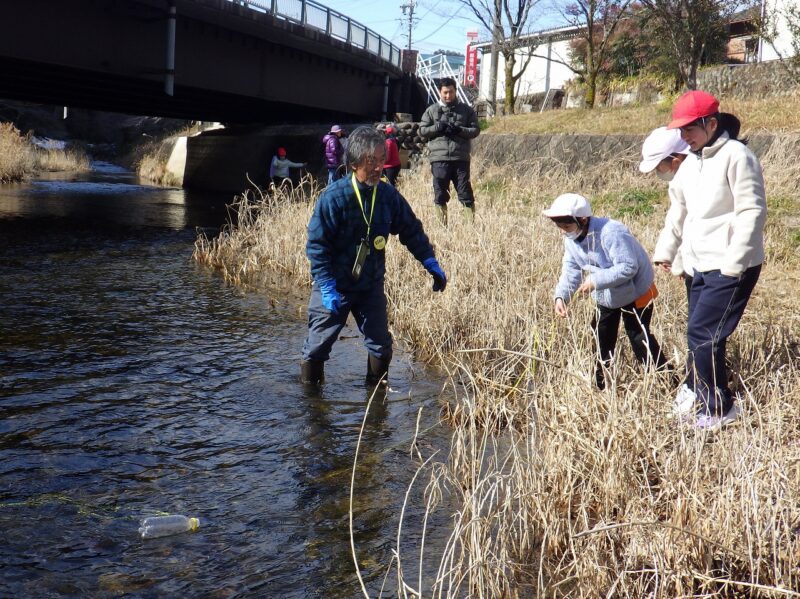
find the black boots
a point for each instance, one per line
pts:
(377, 369)
(312, 372)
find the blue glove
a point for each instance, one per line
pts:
(331, 298)
(439, 278)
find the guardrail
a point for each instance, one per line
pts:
(436, 67)
(318, 16)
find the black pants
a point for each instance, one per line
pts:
(391, 173)
(457, 171)
(605, 325)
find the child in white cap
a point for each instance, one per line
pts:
(602, 257)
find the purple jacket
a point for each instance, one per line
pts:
(333, 150)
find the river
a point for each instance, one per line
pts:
(134, 382)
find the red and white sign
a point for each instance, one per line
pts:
(471, 61)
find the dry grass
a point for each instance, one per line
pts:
(71, 158)
(561, 490)
(772, 114)
(149, 159)
(17, 157)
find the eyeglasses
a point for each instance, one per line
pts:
(373, 161)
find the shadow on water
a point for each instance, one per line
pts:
(136, 383)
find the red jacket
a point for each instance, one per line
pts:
(392, 153)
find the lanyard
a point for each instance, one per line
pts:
(361, 204)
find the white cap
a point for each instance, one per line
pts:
(569, 204)
(659, 145)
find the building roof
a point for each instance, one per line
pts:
(556, 34)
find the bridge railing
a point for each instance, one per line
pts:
(318, 16)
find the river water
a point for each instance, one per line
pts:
(134, 382)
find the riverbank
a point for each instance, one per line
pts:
(564, 490)
(21, 158)
(772, 114)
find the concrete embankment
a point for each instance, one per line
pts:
(225, 160)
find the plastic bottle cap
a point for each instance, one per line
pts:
(194, 523)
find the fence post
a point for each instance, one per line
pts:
(303, 14)
(328, 24)
(274, 7)
(349, 31)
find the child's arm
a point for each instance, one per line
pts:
(569, 280)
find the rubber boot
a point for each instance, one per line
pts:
(377, 371)
(441, 212)
(312, 372)
(469, 214)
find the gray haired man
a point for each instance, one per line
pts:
(347, 237)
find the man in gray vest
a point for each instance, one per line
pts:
(449, 125)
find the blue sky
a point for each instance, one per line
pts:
(441, 24)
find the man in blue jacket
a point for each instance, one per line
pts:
(347, 238)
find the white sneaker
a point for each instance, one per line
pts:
(714, 423)
(684, 402)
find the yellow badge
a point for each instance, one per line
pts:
(379, 242)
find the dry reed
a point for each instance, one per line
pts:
(562, 490)
(17, 157)
(70, 158)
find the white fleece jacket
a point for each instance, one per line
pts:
(717, 211)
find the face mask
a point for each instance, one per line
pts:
(668, 176)
(573, 235)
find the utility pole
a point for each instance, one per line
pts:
(409, 6)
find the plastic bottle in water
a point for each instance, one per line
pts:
(162, 526)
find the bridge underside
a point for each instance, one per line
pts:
(231, 64)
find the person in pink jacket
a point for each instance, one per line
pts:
(716, 222)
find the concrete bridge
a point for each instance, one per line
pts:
(267, 61)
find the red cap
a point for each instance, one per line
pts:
(692, 106)
(281, 152)
(389, 130)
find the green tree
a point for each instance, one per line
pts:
(694, 30)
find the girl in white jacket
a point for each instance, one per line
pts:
(716, 221)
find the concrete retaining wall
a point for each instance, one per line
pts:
(772, 78)
(571, 151)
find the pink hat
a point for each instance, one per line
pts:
(336, 129)
(281, 151)
(691, 106)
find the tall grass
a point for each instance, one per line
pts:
(561, 490)
(17, 158)
(71, 158)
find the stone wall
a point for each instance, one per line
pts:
(570, 151)
(771, 78)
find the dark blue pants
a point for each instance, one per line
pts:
(369, 310)
(456, 171)
(716, 305)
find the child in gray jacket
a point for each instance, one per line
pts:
(603, 258)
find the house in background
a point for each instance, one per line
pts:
(547, 70)
(743, 37)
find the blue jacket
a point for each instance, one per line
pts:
(612, 257)
(337, 226)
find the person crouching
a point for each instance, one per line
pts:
(602, 257)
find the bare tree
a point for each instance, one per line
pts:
(598, 19)
(508, 21)
(690, 26)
